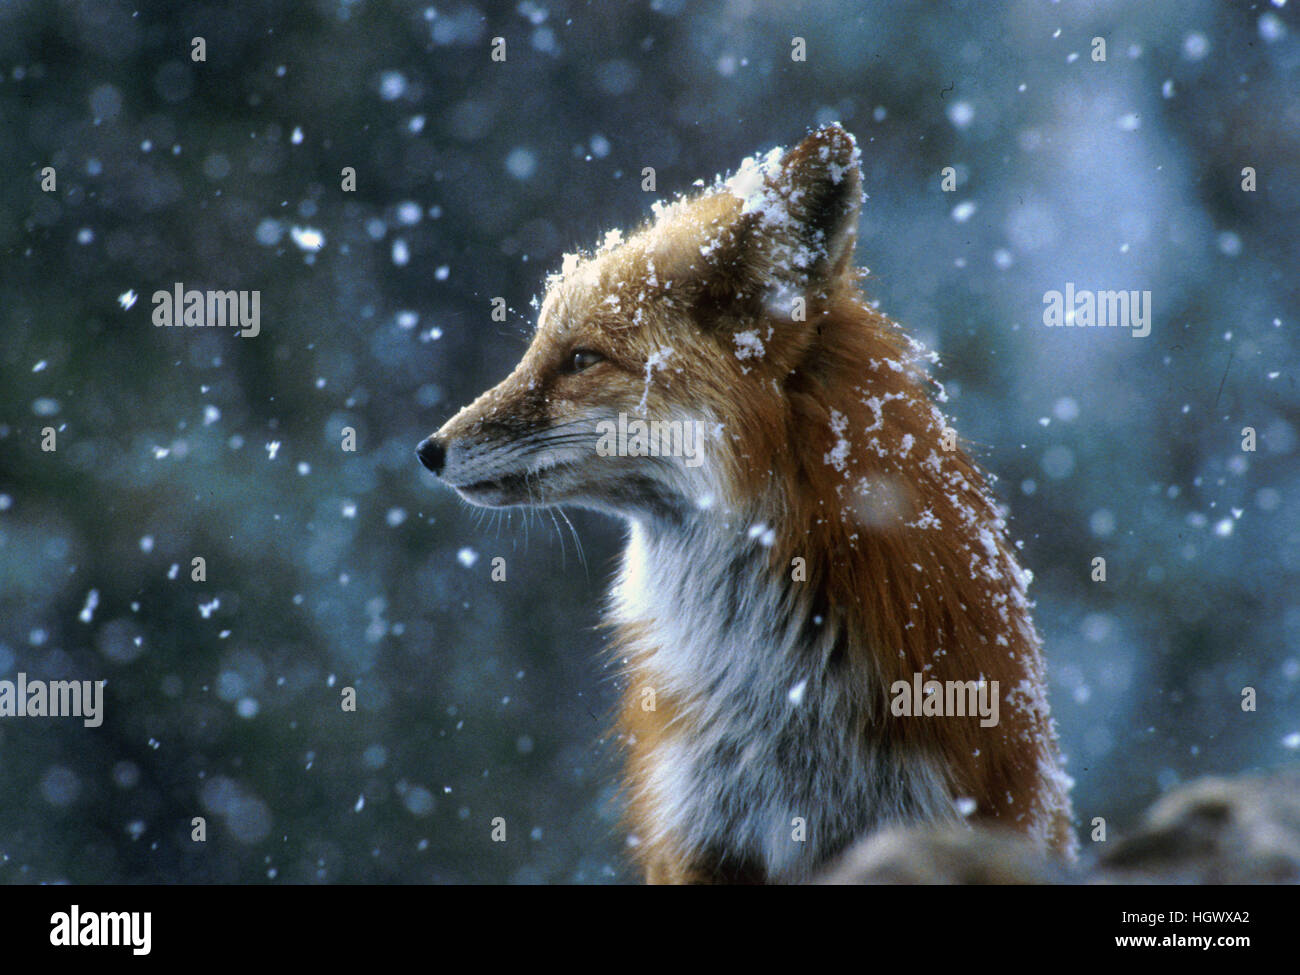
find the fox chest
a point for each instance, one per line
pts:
(764, 766)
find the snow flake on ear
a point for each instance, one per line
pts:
(752, 185)
(836, 170)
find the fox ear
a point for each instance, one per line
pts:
(782, 227)
(805, 204)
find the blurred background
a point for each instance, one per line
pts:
(328, 569)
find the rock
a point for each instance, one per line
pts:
(1215, 831)
(1210, 831)
(952, 855)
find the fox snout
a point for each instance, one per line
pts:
(432, 454)
(483, 471)
(472, 451)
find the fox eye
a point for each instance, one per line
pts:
(580, 359)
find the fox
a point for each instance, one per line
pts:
(806, 574)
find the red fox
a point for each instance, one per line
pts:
(821, 625)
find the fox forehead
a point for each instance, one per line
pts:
(627, 275)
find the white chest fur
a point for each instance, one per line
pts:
(767, 764)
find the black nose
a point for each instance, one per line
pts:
(431, 454)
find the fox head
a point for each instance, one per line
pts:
(693, 323)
